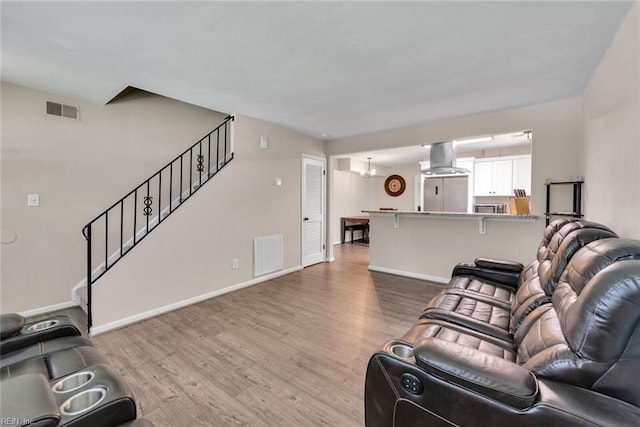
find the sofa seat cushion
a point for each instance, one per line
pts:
(433, 328)
(53, 358)
(484, 315)
(476, 286)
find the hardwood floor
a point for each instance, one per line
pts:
(289, 352)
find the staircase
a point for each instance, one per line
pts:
(115, 232)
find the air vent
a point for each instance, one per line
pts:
(62, 110)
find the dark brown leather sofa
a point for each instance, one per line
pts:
(556, 344)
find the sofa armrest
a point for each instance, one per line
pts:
(28, 400)
(499, 264)
(61, 326)
(483, 373)
(505, 278)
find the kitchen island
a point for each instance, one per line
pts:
(427, 245)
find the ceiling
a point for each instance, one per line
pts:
(335, 68)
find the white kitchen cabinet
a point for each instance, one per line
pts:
(522, 173)
(493, 178)
(482, 178)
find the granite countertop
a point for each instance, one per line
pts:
(455, 215)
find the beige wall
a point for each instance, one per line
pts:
(403, 202)
(190, 254)
(556, 153)
(611, 107)
(351, 194)
(79, 168)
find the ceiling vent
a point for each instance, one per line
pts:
(63, 110)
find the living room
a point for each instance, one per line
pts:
(79, 168)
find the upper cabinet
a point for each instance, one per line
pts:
(522, 173)
(500, 175)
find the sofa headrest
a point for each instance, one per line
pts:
(549, 231)
(598, 300)
(563, 245)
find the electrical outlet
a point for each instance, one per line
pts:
(234, 263)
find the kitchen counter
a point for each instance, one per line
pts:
(427, 245)
(478, 216)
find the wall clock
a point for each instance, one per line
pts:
(394, 185)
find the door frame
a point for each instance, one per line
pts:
(324, 204)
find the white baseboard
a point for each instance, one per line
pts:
(96, 330)
(331, 259)
(47, 309)
(409, 274)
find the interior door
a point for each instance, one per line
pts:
(313, 210)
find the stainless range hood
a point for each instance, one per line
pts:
(442, 160)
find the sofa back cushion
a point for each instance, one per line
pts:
(563, 245)
(590, 335)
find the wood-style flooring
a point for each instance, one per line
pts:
(292, 351)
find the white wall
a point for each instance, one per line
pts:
(79, 168)
(351, 194)
(403, 202)
(611, 109)
(556, 153)
(190, 254)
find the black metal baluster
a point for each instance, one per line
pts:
(89, 280)
(181, 178)
(106, 240)
(200, 165)
(217, 150)
(208, 156)
(170, 187)
(147, 208)
(190, 170)
(135, 216)
(224, 162)
(159, 198)
(121, 224)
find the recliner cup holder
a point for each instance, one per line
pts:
(41, 326)
(402, 351)
(73, 382)
(83, 401)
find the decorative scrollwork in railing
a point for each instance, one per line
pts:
(148, 210)
(200, 166)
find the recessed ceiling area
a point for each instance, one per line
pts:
(334, 68)
(394, 157)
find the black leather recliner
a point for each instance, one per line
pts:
(572, 361)
(51, 376)
(501, 317)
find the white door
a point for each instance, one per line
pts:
(313, 209)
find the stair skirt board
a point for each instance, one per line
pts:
(96, 330)
(267, 255)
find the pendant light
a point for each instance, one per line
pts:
(369, 173)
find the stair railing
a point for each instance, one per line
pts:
(116, 231)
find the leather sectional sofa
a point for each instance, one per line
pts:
(554, 343)
(52, 376)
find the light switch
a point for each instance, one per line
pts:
(264, 142)
(277, 182)
(33, 200)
